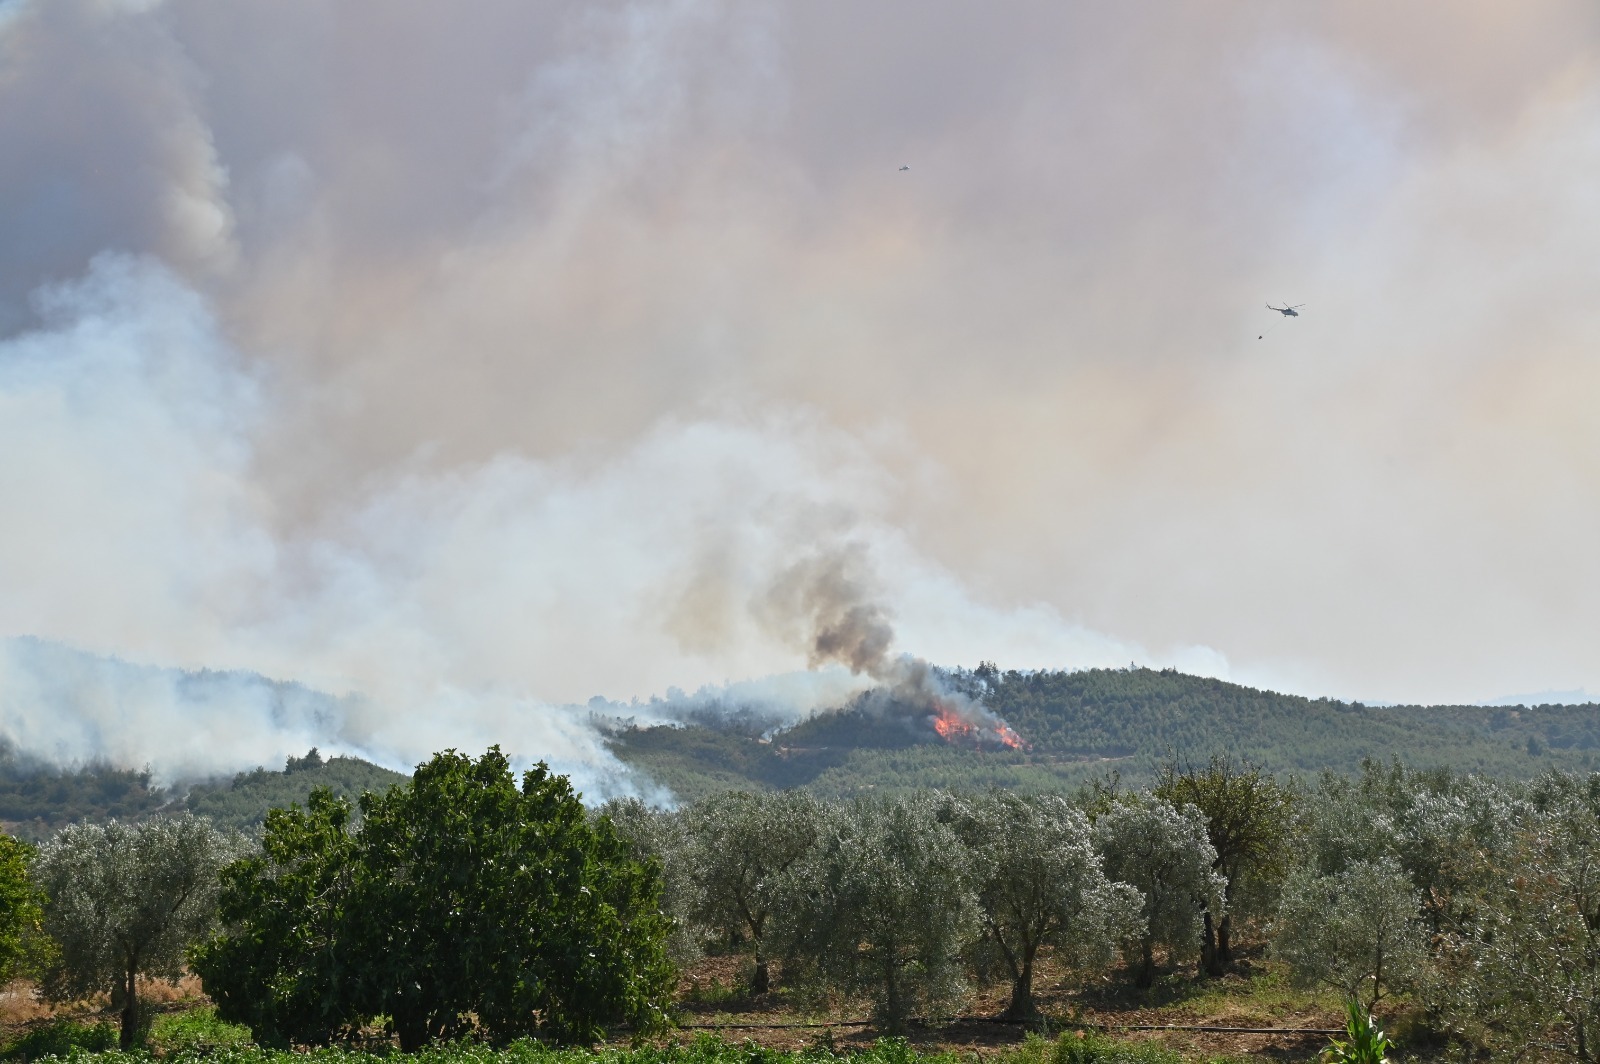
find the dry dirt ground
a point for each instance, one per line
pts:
(1251, 995)
(21, 1008)
(710, 999)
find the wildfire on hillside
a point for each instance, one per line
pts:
(956, 729)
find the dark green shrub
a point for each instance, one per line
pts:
(60, 1038)
(461, 897)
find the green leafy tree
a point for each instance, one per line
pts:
(285, 966)
(19, 906)
(1356, 930)
(1163, 852)
(126, 902)
(1248, 815)
(462, 899)
(741, 848)
(1040, 882)
(883, 907)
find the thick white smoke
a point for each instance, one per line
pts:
(430, 609)
(466, 364)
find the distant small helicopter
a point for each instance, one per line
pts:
(905, 168)
(1286, 310)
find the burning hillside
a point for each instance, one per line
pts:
(964, 730)
(901, 717)
(828, 597)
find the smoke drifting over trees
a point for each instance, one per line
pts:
(544, 353)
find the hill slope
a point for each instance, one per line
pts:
(37, 799)
(1081, 724)
(243, 802)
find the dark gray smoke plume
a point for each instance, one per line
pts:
(827, 597)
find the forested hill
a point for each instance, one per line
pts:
(1126, 712)
(243, 802)
(36, 799)
(1080, 724)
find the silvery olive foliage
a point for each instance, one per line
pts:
(663, 836)
(1039, 882)
(1520, 971)
(126, 901)
(882, 906)
(1431, 820)
(1337, 825)
(1356, 929)
(1164, 853)
(1248, 816)
(740, 849)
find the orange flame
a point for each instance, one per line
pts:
(1003, 732)
(953, 728)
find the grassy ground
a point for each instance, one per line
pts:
(721, 1023)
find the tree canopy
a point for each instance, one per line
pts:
(1163, 852)
(1039, 882)
(20, 900)
(127, 901)
(461, 900)
(883, 907)
(741, 848)
(1248, 817)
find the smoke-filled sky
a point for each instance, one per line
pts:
(477, 359)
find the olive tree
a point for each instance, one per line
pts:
(1247, 817)
(1039, 881)
(1338, 824)
(659, 835)
(882, 906)
(1356, 930)
(1164, 853)
(740, 849)
(126, 901)
(1521, 972)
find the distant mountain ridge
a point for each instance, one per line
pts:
(1080, 724)
(37, 799)
(1075, 726)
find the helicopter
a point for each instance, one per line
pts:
(1286, 310)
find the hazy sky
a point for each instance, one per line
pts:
(483, 356)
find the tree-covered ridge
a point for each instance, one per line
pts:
(37, 799)
(1134, 712)
(243, 803)
(1080, 724)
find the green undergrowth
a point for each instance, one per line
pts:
(213, 1042)
(1070, 1048)
(197, 1030)
(61, 1038)
(1089, 1047)
(1263, 993)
